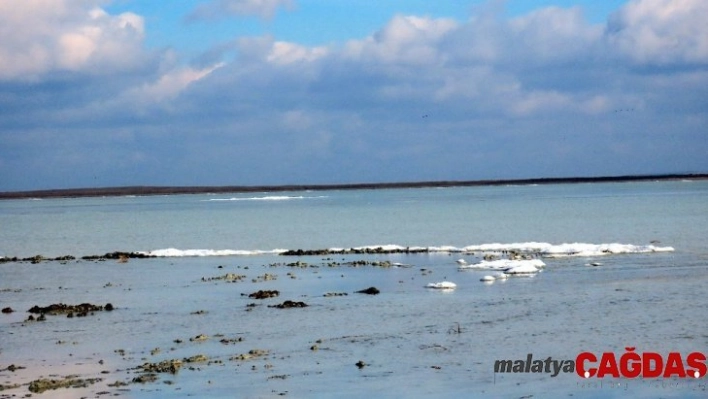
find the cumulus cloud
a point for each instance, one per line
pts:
(544, 93)
(548, 62)
(66, 35)
(405, 39)
(288, 53)
(551, 35)
(216, 9)
(661, 31)
(484, 62)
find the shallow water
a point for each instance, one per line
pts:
(415, 342)
(673, 213)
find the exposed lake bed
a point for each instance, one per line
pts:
(190, 326)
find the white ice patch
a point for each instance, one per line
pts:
(442, 285)
(522, 269)
(181, 253)
(504, 264)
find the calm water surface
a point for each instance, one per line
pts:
(673, 213)
(416, 342)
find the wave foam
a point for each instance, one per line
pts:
(182, 253)
(567, 249)
(545, 250)
(267, 198)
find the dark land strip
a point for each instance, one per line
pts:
(122, 256)
(168, 190)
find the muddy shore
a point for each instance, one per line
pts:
(119, 371)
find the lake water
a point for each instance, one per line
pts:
(647, 290)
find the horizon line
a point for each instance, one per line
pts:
(143, 190)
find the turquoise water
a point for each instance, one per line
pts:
(416, 342)
(671, 213)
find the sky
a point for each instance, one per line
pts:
(98, 93)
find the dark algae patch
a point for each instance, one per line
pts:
(120, 256)
(45, 384)
(264, 294)
(81, 310)
(165, 366)
(369, 291)
(289, 304)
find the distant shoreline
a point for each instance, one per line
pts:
(169, 190)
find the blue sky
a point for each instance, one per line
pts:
(317, 22)
(251, 92)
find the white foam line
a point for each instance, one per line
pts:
(568, 249)
(179, 253)
(266, 198)
(542, 249)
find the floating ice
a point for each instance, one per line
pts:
(525, 268)
(442, 285)
(488, 279)
(504, 264)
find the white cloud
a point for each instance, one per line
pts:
(297, 120)
(540, 101)
(549, 60)
(66, 35)
(169, 85)
(405, 39)
(505, 87)
(551, 34)
(661, 31)
(288, 53)
(215, 9)
(595, 105)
